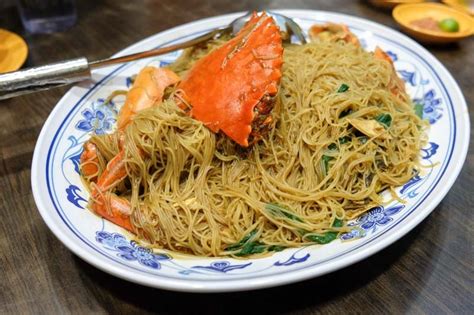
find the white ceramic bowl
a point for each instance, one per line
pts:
(61, 197)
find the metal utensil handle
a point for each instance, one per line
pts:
(43, 77)
(76, 70)
(158, 51)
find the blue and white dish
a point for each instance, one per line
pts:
(61, 197)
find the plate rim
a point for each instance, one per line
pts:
(268, 280)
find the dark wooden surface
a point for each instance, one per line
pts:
(428, 271)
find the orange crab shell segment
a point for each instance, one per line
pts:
(147, 90)
(334, 31)
(396, 84)
(224, 87)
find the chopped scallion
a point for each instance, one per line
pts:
(419, 110)
(326, 159)
(247, 246)
(242, 242)
(325, 237)
(384, 119)
(343, 88)
(279, 211)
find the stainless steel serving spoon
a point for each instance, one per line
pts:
(76, 70)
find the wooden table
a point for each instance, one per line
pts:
(428, 271)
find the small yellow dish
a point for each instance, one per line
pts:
(465, 6)
(407, 13)
(13, 51)
(390, 4)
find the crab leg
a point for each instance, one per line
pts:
(107, 204)
(90, 161)
(332, 32)
(396, 84)
(147, 91)
(114, 209)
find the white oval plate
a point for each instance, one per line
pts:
(61, 198)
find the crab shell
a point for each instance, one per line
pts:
(332, 32)
(224, 87)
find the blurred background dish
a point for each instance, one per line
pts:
(13, 51)
(434, 22)
(390, 4)
(463, 5)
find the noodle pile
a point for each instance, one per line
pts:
(197, 192)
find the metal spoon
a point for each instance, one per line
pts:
(76, 70)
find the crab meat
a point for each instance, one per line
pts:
(230, 88)
(370, 128)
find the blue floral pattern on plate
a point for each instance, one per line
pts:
(430, 151)
(76, 161)
(392, 55)
(292, 260)
(130, 250)
(74, 197)
(415, 179)
(99, 119)
(431, 106)
(408, 76)
(369, 221)
(95, 121)
(222, 266)
(378, 216)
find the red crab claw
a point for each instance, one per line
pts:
(232, 85)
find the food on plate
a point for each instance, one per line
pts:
(446, 25)
(248, 145)
(332, 32)
(449, 25)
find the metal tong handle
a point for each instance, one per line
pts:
(77, 70)
(43, 77)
